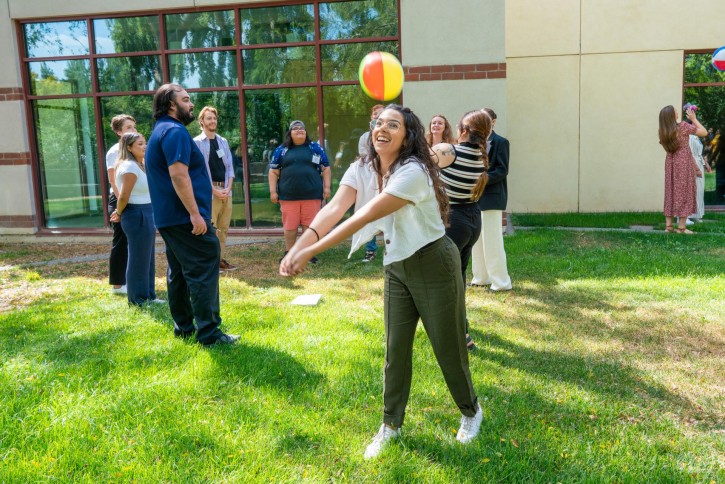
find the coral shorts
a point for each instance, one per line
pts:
(298, 212)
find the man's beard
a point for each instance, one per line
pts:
(185, 117)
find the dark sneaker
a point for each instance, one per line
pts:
(226, 266)
(369, 256)
(285, 253)
(314, 260)
(224, 339)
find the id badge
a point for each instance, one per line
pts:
(220, 153)
(316, 159)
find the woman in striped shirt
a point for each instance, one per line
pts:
(463, 172)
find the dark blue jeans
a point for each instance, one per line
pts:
(372, 245)
(138, 224)
(118, 260)
(193, 281)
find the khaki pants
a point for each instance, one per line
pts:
(426, 286)
(221, 215)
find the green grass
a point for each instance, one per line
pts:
(604, 364)
(611, 220)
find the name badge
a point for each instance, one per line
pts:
(220, 153)
(316, 159)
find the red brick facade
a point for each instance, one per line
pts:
(455, 72)
(11, 94)
(14, 159)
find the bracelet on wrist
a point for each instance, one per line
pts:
(315, 231)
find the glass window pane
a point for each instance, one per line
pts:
(272, 25)
(340, 62)
(60, 77)
(128, 34)
(204, 69)
(279, 66)
(346, 116)
(53, 39)
(353, 20)
(139, 106)
(140, 73)
(269, 112)
(196, 30)
(227, 105)
(699, 68)
(71, 186)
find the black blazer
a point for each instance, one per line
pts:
(495, 196)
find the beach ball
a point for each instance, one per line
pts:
(718, 59)
(381, 76)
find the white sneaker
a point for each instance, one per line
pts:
(689, 222)
(119, 290)
(159, 301)
(384, 435)
(470, 427)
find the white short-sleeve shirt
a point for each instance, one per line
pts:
(111, 156)
(416, 224)
(363, 178)
(140, 193)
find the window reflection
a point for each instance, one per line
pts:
(353, 20)
(196, 30)
(138, 106)
(49, 78)
(269, 112)
(128, 34)
(340, 62)
(138, 73)
(272, 25)
(66, 138)
(227, 104)
(279, 66)
(55, 39)
(204, 69)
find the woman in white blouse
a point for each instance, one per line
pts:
(422, 266)
(137, 219)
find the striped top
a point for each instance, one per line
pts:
(460, 177)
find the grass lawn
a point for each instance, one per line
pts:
(604, 364)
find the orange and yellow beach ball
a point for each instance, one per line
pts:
(381, 76)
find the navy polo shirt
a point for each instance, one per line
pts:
(169, 143)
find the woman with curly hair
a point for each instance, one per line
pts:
(422, 265)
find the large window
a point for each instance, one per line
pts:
(261, 67)
(705, 87)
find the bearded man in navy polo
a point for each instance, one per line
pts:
(181, 199)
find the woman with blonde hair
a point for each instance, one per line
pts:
(439, 131)
(680, 167)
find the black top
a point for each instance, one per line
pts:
(299, 176)
(495, 196)
(216, 165)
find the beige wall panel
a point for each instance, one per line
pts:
(453, 98)
(12, 127)
(622, 163)
(542, 104)
(627, 25)
(433, 33)
(10, 74)
(20, 9)
(541, 28)
(15, 192)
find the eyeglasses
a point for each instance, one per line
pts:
(391, 125)
(298, 128)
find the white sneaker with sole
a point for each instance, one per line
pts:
(384, 435)
(119, 290)
(470, 426)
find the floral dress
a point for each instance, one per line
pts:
(680, 175)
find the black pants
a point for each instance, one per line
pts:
(119, 249)
(193, 281)
(464, 230)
